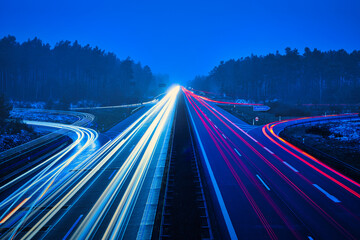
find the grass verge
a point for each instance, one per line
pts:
(108, 118)
(282, 111)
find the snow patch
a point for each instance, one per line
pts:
(345, 131)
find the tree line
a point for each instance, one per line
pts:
(69, 72)
(312, 77)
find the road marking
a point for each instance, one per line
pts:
(223, 135)
(263, 182)
(237, 152)
(72, 227)
(210, 120)
(220, 199)
(334, 199)
(310, 238)
(215, 126)
(112, 174)
(132, 148)
(292, 168)
(268, 150)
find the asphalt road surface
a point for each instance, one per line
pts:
(264, 188)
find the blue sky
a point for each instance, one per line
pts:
(186, 38)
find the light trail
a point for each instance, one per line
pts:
(152, 134)
(219, 197)
(104, 156)
(220, 117)
(238, 162)
(221, 146)
(13, 211)
(41, 183)
(230, 103)
(273, 137)
(117, 106)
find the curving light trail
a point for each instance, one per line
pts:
(128, 179)
(42, 176)
(139, 158)
(260, 169)
(268, 131)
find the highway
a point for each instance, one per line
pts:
(264, 188)
(106, 194)
(107, 186)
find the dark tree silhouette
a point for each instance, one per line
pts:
(69, 72)
(5, 109)
(313, 77)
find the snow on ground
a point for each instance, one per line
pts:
(8, 141)
(85, 103)
(42, 116)
(22, 104)
(345, 131)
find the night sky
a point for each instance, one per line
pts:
(186, 38)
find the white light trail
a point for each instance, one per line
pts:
(102, 157)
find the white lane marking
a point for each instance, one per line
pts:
(237, 152)
(132, 148)
(223, 135)
(224, 211)
(210, 120)
(292, 168)
(73, 226)
(334, 199)
(310, 238)
(235, 125)
(112, 174)
(263, 182)
(268, 150)
(215, 126)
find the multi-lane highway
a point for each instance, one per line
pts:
(266, 189)
(104, 195)
(260, 187)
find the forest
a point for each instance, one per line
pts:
(314, 77)
(69, 72)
